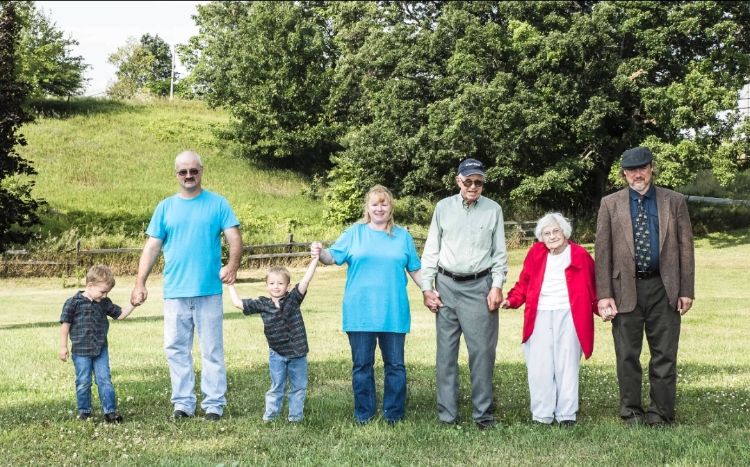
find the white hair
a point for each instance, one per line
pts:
(190, 153)
(549, 218)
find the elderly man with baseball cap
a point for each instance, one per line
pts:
(645, 275)
(464, 264)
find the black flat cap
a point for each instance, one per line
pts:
(636, 157)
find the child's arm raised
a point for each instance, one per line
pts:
(236, 300)
(64, 331)
(302, 286)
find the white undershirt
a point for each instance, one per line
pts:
(554, 293)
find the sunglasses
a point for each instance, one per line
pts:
(468, 182)
(192, 172)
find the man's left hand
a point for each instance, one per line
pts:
(494, 299)
(228, 274)
(684, 304)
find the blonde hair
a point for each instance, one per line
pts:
(100, 274)
(383, 194)
(280, 270)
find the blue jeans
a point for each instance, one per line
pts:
(181, 317)
(280, 368)
(363, 374)
(99, 365)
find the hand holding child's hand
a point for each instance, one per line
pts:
(315, 249)
(63, 354)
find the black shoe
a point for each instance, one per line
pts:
(567, 423)
(633, 420)
(486, 424)
(83, 416)
(656, 421)
(179, 414)
(541, 424)
(113, 417)
(212, 417)
(450, 423)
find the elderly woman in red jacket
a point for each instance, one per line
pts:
(557, 285)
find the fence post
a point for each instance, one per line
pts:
(291, 239)
(78, 253)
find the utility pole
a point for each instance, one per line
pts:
(171, 77)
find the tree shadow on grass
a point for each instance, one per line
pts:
(729, 239)
(66, 108)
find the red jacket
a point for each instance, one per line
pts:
(581, 291)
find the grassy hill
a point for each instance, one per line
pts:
(104, 165)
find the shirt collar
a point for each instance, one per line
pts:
(463, 202)
(635, 196)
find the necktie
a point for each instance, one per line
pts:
(642, 239)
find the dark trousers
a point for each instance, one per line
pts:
(661, 323)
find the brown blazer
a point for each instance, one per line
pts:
(615, 253)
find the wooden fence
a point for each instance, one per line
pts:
(23, 262)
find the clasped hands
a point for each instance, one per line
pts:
(433, 302)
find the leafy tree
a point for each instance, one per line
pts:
(143, 66)
(46, 62)
(16, 203)
(160, 75)
(271, 64)
(549, 94)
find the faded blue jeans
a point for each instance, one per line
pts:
(204, 315)
(281, 368)
(363, 374)
(99, 365)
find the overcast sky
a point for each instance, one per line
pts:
(101, 27)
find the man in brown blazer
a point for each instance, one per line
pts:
(645, 275)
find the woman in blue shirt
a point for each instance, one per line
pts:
(376, 305)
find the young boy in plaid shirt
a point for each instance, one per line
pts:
(84, 320)
(286, 336)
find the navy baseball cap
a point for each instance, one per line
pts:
(470, 167)
(636, 157)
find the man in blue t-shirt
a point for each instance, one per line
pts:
(187, 227)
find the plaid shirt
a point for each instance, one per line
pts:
(283, 325)
(88, 323)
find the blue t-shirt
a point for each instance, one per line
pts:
(190, 230)
(375, 298)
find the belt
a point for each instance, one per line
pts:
(646, 274)
(464, 277)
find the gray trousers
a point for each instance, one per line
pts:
(465, 311)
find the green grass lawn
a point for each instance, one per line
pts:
(37, 401)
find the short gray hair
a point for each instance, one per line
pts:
(548, 219)
(191, 153)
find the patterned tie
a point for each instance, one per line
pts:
(642, 239)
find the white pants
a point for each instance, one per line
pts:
(553, 353)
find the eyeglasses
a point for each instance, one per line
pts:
(551, 233)
(468, 182)
(192, 172)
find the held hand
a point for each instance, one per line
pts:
(684, 304)
(228, 274)
(432, 300)
(494, 299)
(505, 304)
(607, 309)
(63, 354)
(138, 295)
(315, 248)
